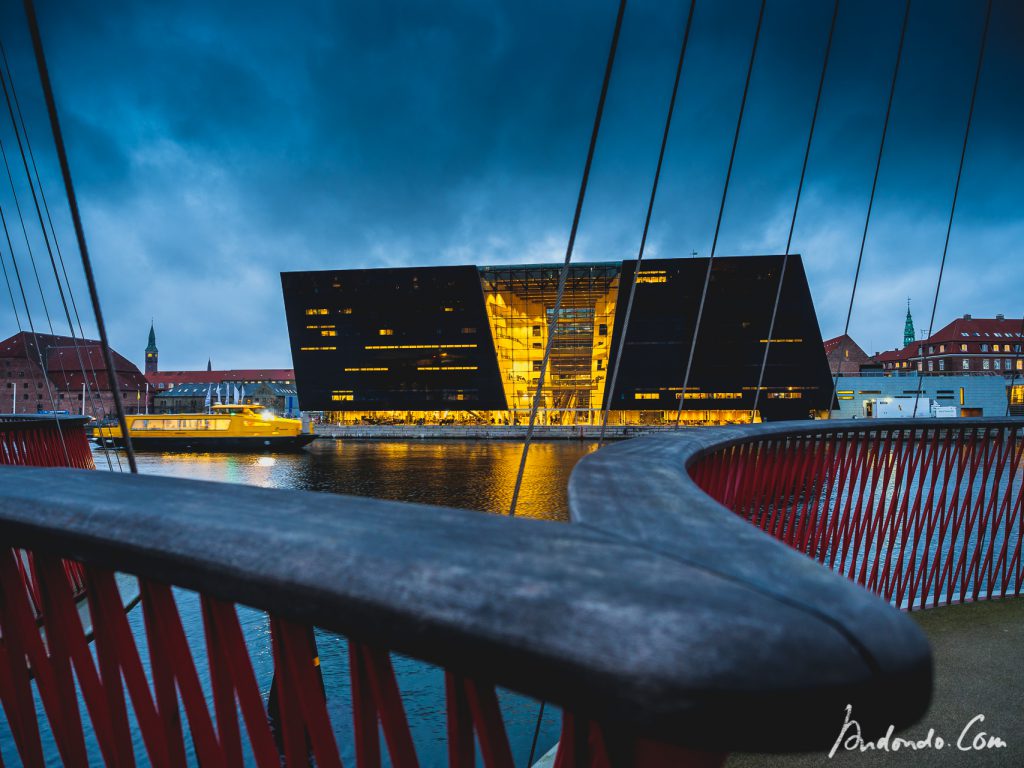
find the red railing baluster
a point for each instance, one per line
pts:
(461, 746)
(490, 728)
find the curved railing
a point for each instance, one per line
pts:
(667, 630)
(923, 513)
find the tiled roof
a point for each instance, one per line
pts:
(66, 358)
(968, 327)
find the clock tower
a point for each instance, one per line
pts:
(152, 355)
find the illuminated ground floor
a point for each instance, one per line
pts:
(545, 417)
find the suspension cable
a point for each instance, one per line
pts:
(32, 187)
(796, 207)
(76, 218)
(43, 366)
(35, 336)
(610, 388)
(871, 197)
(956, 193)
(564, 273)
(721, 212)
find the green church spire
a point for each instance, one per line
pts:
(908, 327)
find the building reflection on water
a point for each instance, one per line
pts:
(474, 475)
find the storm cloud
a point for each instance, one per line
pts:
(215, 144)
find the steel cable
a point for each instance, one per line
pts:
(43, 367)
(58, 138)
(564, 273)
(956, 193)
(610, 388)
(35, 336)
(871, 198)
(796, 207)
(32, 187)
(721, 212)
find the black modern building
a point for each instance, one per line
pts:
(465, 343)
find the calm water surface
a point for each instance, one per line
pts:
(473, 475)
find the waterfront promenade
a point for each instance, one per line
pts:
(977, 653)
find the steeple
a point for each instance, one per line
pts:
(152, 354)
(908, 327)
(209, 364)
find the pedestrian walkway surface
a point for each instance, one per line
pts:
(979, 670)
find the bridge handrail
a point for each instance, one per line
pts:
(658, 613)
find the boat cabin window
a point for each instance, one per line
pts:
(179, 425)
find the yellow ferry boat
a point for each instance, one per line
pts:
(225, 428)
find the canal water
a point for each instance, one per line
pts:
(474, 475)
(471, 474)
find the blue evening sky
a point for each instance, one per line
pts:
(215, 144)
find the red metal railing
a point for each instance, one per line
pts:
(585, 618)
(922, 513)
(44, 441)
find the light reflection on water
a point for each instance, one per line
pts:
(474, 475)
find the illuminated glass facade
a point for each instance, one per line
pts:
(465, 344)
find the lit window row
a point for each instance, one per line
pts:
(711, 395)
(317, 349)
(340, 397)
(785, 395)
(420, 346)
(386, 332)
(317, 311)
(782, 341)
(651, 276)
(364, 370)
(316, 327)
(446, 368)
(646, 395)
(328, 333)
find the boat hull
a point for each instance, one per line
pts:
(257, 444)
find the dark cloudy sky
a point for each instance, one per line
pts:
(215, 144)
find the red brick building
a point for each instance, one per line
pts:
(844, 355)
(40, 372)
(966, 345)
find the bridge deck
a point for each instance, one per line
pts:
(976, 648)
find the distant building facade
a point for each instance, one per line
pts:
(465, 344)
(967, 345)
(860, 396)
(192, 398)
(162, 380)
(973, 364)
(844, 355)
(42, 372)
